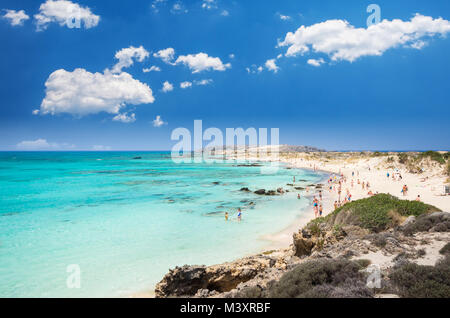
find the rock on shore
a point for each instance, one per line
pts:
(339, 242)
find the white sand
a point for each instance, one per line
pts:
(429, 185)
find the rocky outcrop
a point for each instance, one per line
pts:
(336, 237)
(302, 246)
(187, 281)
(260, 192)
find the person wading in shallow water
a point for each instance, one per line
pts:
(239, 216)
(226, 216)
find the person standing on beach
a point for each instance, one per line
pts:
(316, 206)
(226, 216)
(294, 179)
(320, 195)
(239, 216)
(298, 196)
(321, 210)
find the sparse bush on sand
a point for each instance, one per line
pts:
(436, 222)
(445, 250)
(433, 155)
(338, 278)
(416, 281)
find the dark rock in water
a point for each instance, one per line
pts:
(271, 192)
(290, 185)
(319, 186)
(245, 190)
(299, 188)
(214, 213)
(250, 165)
(260, 192)
(137, 158)
(216, 183)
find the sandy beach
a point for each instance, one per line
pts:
(354, 170)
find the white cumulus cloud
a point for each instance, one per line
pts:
(125, 118)
(284, 17)
(202, 62)
(167, 87)
(158, 122)
(127, 56)
(167, 55)
(151, 69)
(272, 66)
(186, 84)
(315, 62)
(342, 41)
(81, 93)
(203, 82)
(65, 13)
(15, 18)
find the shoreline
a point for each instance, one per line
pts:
(282, 239)
(372, 170)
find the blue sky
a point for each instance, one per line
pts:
(395, 98)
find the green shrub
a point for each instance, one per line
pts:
(416, 281)
(424, 223)
(433, 155)
(324, 278)
(403, 158)
(445, 250)
(376, 213)
(315, 228)
(363, 263)
(378, 240)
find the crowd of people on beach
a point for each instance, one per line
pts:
(336, 182)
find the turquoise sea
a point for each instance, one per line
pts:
(126, 221)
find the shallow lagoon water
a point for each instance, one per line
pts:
(125, 222)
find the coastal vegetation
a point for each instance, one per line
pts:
(331, 256)
(322, 278)
(417, 281)
(376, 213)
